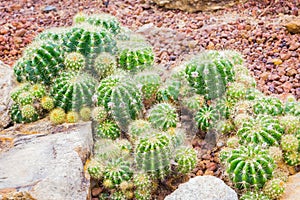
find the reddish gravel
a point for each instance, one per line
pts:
(254, 28)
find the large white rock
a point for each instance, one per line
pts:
(203, 188)
(6, 85)
(48, 165)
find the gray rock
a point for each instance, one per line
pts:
(292, 190)
(47, 165)
(7, 83)
(204, 188)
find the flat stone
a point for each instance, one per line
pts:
(48, 164)
(203, 187)
(292, 190)
(293, 26)
(7, 83)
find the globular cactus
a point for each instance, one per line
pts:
(143, 186)
(38, 91)
(135, 56)
(276, 153)
(25, 98)
(254, 196)
(289, 143)
(72, 117)
(194, 103)
(290, 123)
(163, 116)
(206, 117)
(118, 195)
(149, 83)
(117, 171)
(169, 91)
(139, 128)
(28, 111)
(249, 166)
(153, 155)
(106, 21)
(274, 188)
(263, 129)
(236, 91)
(47, 103)
(88, 40)
(292, 158)
(72, 91)
(121, 97)
(224, 106)
(96, 169)
(99, 114)
(24, 87)
(85, 113)
(57, 116)
(20, 114)
(74, 61)
(268, 105)
(282, 174)
(209, 72)
(177, 137)
(42, 61)
(105, 65)
(186, 159)
(239, 120)
(108, 129)
(225, 126)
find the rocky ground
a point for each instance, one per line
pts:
(255, 28)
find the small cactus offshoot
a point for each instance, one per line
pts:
(28, 111)
(105, 65)
(72, 117)
(85, 113)
(194, 103)
(139, 128)
(47, 103)
(292, 158)
(206, 117)
(186, 159)
(25, 98)
(108, 129)
(57, 116)
(143, 186)
(276, 154)
(290, 123)
(17, 116)
(38, 91)
(274, 188)
(289, 143)
(74, 61)
(95, 169)
(99, 114)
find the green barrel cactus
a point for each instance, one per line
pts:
(121, 97)
(57, 116)
(72, 91)
(105, 65)
(139, 128)
(153, 155)
(209, 73)
(292, 158)
(19, 115)
(206, 117)
(143, 186)
(106, 21)
(47, 103)
(108, 129)
(99, 114)
(254, 196)
(149, 82)
(42, 61)
(268, 105)
(74, 61)
(38, 91)
(135, 56)
(186, 159)
(25, 98)
(163, 116)
(88, 40)
(117, 171)
(274, 188)
(249, 166)
(263, 129)
(289, 143)
(290, 123)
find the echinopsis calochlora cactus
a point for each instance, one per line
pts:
(209, 72)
